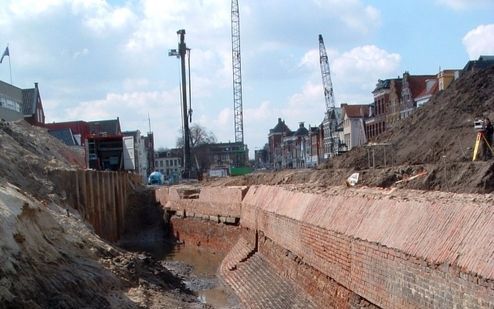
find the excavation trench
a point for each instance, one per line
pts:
(150, 230)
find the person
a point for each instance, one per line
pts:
(487, 142)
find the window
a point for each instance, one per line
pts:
(161, 163)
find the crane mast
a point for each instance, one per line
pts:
(237, 75)
(326, 76)
(330, 123)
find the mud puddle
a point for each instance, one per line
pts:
(197, 269)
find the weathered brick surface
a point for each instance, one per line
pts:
(223, 195)
(394, 253)
(205, 208)
(325, 292)
(209, 235)
(258, 284)
(214, 201)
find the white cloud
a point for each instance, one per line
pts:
(132, 108)
(354, 74)
(480, 41)
(464, 4)
(160, 21)
(353, 13)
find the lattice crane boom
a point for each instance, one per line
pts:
(326, 76)
(237, 74)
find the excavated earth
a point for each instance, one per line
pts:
(51, 260)
(436, 143)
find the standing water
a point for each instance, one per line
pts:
(197, 268)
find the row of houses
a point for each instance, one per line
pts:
(213, 159)
(353, 125)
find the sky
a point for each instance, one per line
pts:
(103, 59)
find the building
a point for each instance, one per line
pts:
(446, 77)
(135, 153)
(79, 129)
(354, 118)
(261, 157)
(275, 139)
(16, 103)
(315, 148)
(413, 87)
(149, 146)
(332, 129)
(32, 107)
(169, 162)
(431, 88)
(386, 95)
(105, 145)
(483, 62)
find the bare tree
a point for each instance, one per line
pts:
(199, 135)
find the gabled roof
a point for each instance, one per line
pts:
(417, 83)
(356, 110)
(105, 127)
(280, 127)
(432, 89)
(65, 135)
(302, 130)
(385, 84)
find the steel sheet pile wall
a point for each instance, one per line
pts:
(434, 250)
(100, 197)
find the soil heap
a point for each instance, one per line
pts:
(51, 260)
(436, 142)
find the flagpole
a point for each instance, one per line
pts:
(10, 67)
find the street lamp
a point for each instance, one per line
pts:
(181, 53)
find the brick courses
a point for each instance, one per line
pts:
(352, 250)
(359, 261)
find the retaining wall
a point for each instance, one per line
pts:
(396, 253)
(360, 248)
(100, 197)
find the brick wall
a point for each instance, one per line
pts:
(350, 248)
(207, 234)
(351, 239)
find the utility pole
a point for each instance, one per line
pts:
(182, 51)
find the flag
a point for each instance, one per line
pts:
(5, 53)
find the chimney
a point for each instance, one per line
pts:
(301, 124)
(36, 85)
(279, 120)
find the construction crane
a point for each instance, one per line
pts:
(237, 75)
(330, 124)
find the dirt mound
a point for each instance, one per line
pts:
(27, 153)
(441, 135)
(442, 130)
(49, 259)
(431, 150)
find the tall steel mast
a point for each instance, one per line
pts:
(237, 75)
(330, 123)
(326, 76)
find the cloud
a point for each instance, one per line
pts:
(479, 41)
(464, 4)
(132, 108)
(353, 13)
(354, 74)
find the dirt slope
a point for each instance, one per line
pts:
(442, 130)
(436, 143)
(51, 260)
